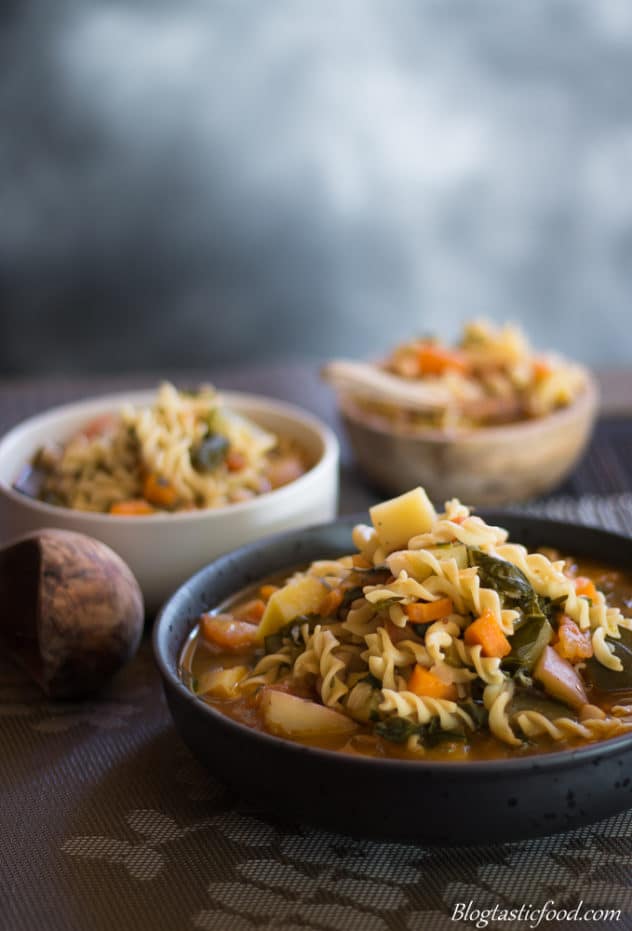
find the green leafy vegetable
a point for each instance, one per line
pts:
(609, 680)
(477, 711)
(372, 680)
(399, 730)
(513, 586)
(292, 632)
(534, 700)
(350, 596)
(210, 453)
(527, 644)
(373, 574)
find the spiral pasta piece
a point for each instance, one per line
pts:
(383, 658)
(534, 724)
(268, 670)
(319, 659)
(405, 704)
(439, 637)
(497, 699)
(487, 667)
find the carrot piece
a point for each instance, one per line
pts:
(422, 612)
(572, 643)
(435, 360)
(135, 507)
(331, 602)
(251, 610)
(158, 490)
(266, 591)
(235, 461)
(428, 685)
(585, 587)
(541, 367)
(360, 562)
(227, 633)
(487, 632)
(99, 426)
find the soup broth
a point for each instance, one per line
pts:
(437, 640)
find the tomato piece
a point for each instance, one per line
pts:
(227, 633)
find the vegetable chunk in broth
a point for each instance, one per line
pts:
(437, 639)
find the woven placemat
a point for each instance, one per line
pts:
(107, 822)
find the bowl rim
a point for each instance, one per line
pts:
(553, 760)
(586, 401)
(329, 456)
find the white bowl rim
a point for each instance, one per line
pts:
(116, 400)
(587, 398)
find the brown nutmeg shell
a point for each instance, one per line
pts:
(71, 610)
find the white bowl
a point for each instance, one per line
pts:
(165, 549)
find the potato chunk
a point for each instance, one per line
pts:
(301, 596)
(222, 683)
(293, 717)
(401, 518)
(559, 679)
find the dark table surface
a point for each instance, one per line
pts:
(107, 822)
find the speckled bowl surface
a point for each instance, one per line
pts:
(422, 802)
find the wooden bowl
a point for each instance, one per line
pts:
(485, 465)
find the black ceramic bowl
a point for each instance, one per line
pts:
(425, 802)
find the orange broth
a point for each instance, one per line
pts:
(198, 658)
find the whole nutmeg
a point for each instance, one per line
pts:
(71, 611)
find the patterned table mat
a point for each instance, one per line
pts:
(107, 822)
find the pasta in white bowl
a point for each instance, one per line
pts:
(164, 541)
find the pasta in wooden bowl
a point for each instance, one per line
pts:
(489, 420)
(437, 639)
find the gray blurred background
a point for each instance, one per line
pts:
(194, 183)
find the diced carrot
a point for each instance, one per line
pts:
(331, 602)
(486, 631)
(227, 633)
(572, 643)
(251, 610)
(428, 685)
(360, 562)
(266, 591)
(585, 587)
(159, 491)
(235, 461)
(422, 612)
(100, 425)
(135, 507)
(541, 368)
(435, 360)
